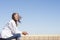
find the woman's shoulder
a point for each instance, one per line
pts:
(11, 21)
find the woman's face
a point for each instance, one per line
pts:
(16, 16)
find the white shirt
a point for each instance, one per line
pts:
(9, 29)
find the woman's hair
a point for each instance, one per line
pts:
(18, 18)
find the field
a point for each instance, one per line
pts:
(41, 37)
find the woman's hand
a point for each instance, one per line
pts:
(24, 33)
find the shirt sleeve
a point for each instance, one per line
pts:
(13, 28)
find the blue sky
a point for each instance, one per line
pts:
(38, 16)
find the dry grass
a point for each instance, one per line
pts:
(41, 37)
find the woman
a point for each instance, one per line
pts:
(10, 31)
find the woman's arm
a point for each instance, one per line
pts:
(14, 29)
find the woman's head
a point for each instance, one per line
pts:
(16, 17)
